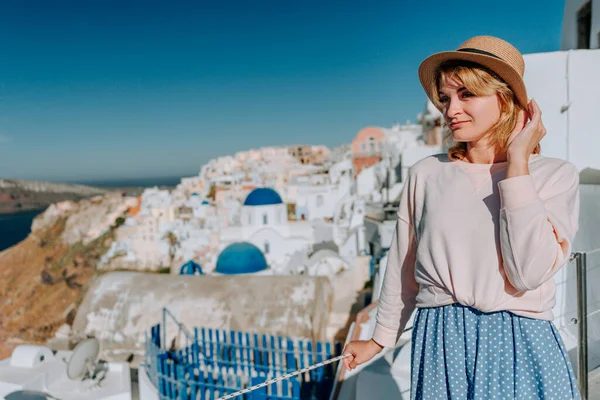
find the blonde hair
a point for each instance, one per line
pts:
(481, 82)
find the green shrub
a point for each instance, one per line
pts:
(119, 221)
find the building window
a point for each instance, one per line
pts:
(363, 147)
(267, 247)
(265, 219)
(319, 200)
(249, 219)
(372, 145)
(584, 26)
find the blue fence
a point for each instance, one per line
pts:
(209, 363)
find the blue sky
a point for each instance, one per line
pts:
(102, 89)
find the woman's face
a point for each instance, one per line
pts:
(469, 117)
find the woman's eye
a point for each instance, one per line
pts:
(443, 99)
(467, 94)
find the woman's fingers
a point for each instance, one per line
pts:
(349, 359)
(349, 362)
(536, 113)
(537, 120)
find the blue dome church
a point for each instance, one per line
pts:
(263, 197)
(268, 239)
(263, 207)
(241, 258)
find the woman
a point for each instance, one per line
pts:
(479, 235)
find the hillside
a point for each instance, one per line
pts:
(43, 278)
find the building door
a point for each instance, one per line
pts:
(584, 26)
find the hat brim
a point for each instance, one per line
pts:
(428, 71)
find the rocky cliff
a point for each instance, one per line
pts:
(43, 278)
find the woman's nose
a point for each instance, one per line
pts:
(453, 108)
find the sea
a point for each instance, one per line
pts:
(134, 182)
(15, 227)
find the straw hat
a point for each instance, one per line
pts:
(493, 53)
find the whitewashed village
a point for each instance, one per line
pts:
(270, 259)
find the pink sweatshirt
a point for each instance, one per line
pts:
(466, 234)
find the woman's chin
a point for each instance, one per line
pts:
(459, 136)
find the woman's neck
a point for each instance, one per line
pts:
(483, 154)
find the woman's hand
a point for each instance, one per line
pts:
(360, 351)
(524, 139)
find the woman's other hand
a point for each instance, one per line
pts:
(360, 352)
(524, 139)
(527, 135)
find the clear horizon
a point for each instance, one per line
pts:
(99, 90)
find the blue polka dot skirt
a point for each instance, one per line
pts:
(461, 353)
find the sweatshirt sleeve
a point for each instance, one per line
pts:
(537, 229)
(399, 289)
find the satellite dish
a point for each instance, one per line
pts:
(83, 359)
(29, 395)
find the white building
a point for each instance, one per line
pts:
(264, 223)
(143, 241)
(348, 227)
(581, 25)
(318, 196)
(565, 83)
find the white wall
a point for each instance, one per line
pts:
(147, 389)
(321, 201)
(546, 82)
(354, 244)
(254, 216)
(300, 229)
(367, 181)
(337, 169)
(349, 249)
(279, 247)
(584, 86)
(567, 79)
(321, 204)
(289, 193)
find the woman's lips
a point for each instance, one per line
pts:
(458, 124)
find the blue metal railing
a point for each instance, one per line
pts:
(211, 363)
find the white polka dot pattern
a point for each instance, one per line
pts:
(459, 352)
